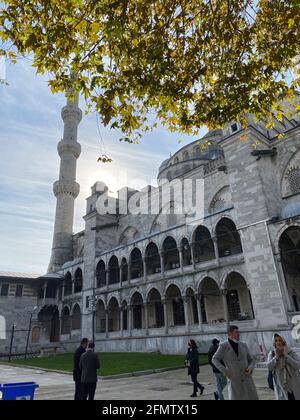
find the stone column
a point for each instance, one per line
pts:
(121, 271)
(186, 301)
(63, 291)
(146, 314)
(145, 269)
(129, 273)
(162, 264)
(165, 303)
(226, 313)
(215, 241)
(200, 320)
(193, 255)
(122, 321)
(181, 258)
(106, 323)
(130, 319)
(107, 277)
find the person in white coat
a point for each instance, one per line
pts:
(234, 360)
(285, 367)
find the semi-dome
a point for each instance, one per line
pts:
(291, 210)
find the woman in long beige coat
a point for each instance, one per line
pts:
(285, 366)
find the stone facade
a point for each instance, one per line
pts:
(150, 282)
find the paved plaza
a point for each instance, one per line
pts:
(173, 385)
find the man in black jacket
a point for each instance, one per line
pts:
(89, 364)
(77, 371)
(220, 378)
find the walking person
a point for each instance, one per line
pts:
(89, 364)
(192, 362)
(284, 365)
(233, 359)
(221, 380)
(76, 370)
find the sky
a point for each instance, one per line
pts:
(30, 128)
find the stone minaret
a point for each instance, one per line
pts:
(66, 189)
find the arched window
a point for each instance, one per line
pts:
(175, 306)
(137, 311)
(171, 254)
(113, 315)
(186, 155)
(239, 299)
(153, 259)
(124, 266)
(289, 245)
(136, 264)
(100, 317)
(113, 270)
(155, 310)
(229, 241)
(186, 253)
(293, 177)
(66, 321)
(78, 280)
(197, 152)
(212, 306)
(203, 245)
(76, 318)
(68, 284)
(101, 274)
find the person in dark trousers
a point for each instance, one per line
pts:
(192, 362)
(77, 371)
(89, 364)
(221, 380)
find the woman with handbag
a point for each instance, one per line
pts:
(192, 362)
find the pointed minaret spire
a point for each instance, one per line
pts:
(66, 189)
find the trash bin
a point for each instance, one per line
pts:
(18, 391)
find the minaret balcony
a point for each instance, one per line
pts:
(69, 148)
(63, 188)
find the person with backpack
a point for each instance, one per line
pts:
(221, 380)
(284, 365)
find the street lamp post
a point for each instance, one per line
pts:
(93, 311)
(29, 330)
(11, 341)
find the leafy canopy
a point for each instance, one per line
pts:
(184, 63)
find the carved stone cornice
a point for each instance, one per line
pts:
(63, 188)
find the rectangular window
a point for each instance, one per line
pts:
(4, 290)
(234, 128)
(19, 290)
(87, 302)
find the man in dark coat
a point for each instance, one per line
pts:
(77, 371)
(89, 364)
(192, 361)
(220, 378)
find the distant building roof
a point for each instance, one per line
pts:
(19, 275)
